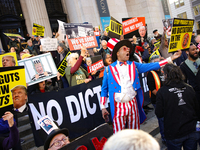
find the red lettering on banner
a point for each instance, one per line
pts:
(82, 147)
(99, 145)
(95, 66)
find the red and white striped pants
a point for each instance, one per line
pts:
(126, 113)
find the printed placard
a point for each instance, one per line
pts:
(80, 34)
(38, 30)
(63, 65)
(8, 60)
(115, 28)
(95, 66)
(181, 34)
(132, 24)
(47, 124)
(39, 68)
(10, 77)
(49, 44)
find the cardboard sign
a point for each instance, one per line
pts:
(39, 68)
(94, 140)
(132, 24)
(61, 30)
(12, 57)
(181, 34)
(38, 30)
(95, 63)
(115, 28)
(63, 65)
(80, 34)
(133, 28)
(47, 124)
(9, 78)
(49, 44)
(168, 23)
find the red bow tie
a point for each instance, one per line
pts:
(122, 63)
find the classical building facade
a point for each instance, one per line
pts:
(18, 16)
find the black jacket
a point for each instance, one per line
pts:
(178, 105)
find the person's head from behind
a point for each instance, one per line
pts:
(172, 73)
(155, 58)
(142, 31)
(104, 44)
(131, 139)
(8, 61)
(29, 42)
(38, 66)
(72, 59)
(192, 52)
(19, 95)
(57, 139)
(107, 60)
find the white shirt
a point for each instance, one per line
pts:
(127, 91)
(21, 109)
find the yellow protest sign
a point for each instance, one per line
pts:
(12, 35)
(63, 65)
(8, 60)
(157, 45)
(38, 30)
(115, 28)
(156, 52)
(181, 34)
(9, 78)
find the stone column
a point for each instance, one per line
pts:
(38, 14)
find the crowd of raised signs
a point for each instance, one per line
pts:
(79, 66)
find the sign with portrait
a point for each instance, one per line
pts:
(39, 68)
(181, 34)
(38, 30)
(10, 77)
(79, 34)
(8, 60)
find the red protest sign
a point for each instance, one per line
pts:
(132, 24)
(77, 43)
(95, 66)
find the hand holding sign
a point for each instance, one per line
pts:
(83, 51)
(176, 55)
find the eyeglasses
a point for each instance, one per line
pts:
(125, 48)
(59, 142)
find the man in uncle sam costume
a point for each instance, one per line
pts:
(121, 82)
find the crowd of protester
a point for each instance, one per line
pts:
(173, 121)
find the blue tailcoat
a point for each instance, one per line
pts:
(110, 84)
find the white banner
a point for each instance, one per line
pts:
(49, 44)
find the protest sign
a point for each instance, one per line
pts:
(47, 124)
(63, 65)
(12, 35)
(168, 23)
(49, 44)
(39, 68)
(8, 59)
(80, 34)
(94, 140)
(132, 24)
(9, 78)
(115, 28)
(95, 64)
(61, 31)
(181, 34)
(76, 108)
(157, 45)
(38, 30)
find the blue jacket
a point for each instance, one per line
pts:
(110, 83)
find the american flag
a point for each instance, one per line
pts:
(198, 46)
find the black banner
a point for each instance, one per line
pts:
(76, 108)
(103, 8)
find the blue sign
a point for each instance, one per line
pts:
(105, 21)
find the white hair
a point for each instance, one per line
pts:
(131, 139)
(103, 41)
(72, 55)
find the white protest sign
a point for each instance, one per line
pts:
(49, 44)
(61, 30)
